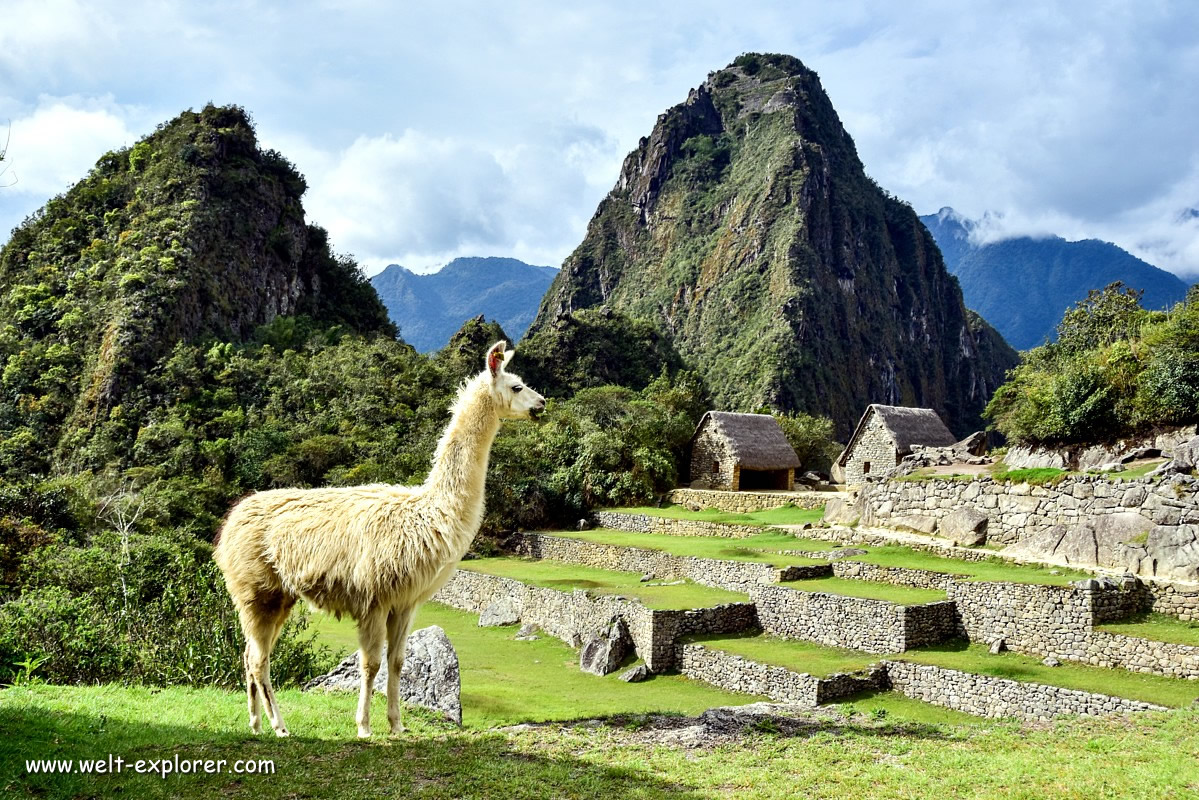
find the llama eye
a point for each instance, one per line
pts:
(516, 389)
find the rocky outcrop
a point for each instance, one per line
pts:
(431, 677)
(965, 527)
(1098, 457)
(500, 613)
(605, 653)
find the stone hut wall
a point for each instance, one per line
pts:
(874, 447)
(712, 463)
(987, 696)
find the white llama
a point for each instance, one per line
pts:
(374, 552)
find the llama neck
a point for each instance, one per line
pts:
(459, 474)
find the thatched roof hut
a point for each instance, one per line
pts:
(886, 434)
(741, 451)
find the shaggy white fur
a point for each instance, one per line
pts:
(374, 552)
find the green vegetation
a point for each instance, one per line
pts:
(1034, 476)
(568, 577)
(1170, 692)
(798, 656)
(901, 595)
(992, 569)
(812, 438)
(506, 682)
(838, 759)
(1115, 369)
(762, 548)
(1158, 627)
(783, 515)
(895, 706)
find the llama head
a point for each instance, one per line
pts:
(513, 399)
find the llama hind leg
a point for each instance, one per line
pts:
(398, 622)
(274, 713)
(262, 623)
(371, 630)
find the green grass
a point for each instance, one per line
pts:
(797, 656)
(993, 569)
(1145, 756)
(895, 706)
(1171, 692)
(901, 595)
(1158, 627)
(1138, 471)
(567, 577)
(761, 548)
(1035, 476)
(783, 515)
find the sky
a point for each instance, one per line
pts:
(431, 131)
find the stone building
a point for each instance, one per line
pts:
(738, 452)
(886, 434)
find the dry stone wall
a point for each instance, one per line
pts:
(899, 576)
(746, 502)
(722, 574)
(645, 523)
(575, 617)
(987, 696)
(736, 673)
(874, 626)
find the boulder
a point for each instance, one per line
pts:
(997, 647)
(1186, 456)
(1173, 552)
(582, 525)
(844, 552)
(965, 526)
(1030, 458)
(431, 677)
(604, 653)
(914, 522)
(975, 444)
(1050, 661)
(1042, 544)
(635, 675)
(527, 633)
(500, 612)
(1113, 530)
(839, 511)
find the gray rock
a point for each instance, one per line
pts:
(1087, 584)
(845, 552)
(1029, 458)
(1050, 661)
(965, 526)
(914, 522)
(647, 577)
(527, 633)
(1186, 456)
(1173, 552)
(975, 444)
(998, 646)
(635, 675)
(431, 677)
(583, 525)
(501, 612)
(838, 511)
(604, 653)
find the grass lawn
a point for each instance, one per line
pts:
(1158, 627)
(783, 515)
(1171, 692)
(505, 682)
(895, 706)
(901, 595)
(567, 577)
(1146, 756)
(993, 569)
(761, 548)
(798, 656)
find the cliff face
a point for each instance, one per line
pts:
(193, 233)
(746, 229)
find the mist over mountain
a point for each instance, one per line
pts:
(430, 308)
(745, 230)
(1023, 285)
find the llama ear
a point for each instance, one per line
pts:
(508, 355)
(495, 358)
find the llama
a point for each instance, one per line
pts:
(374, 552)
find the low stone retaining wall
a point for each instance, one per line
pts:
(987, 696)
(746, 502)
(645, 523)
(1175, 600)
(736, 673)
(576, 616)
(865, 536)
(874, 626)
(722, 574)
(1060, 621)
(899, 576)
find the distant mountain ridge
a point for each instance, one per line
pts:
(430, 308)
(1023, 285)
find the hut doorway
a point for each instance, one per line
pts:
(759, 479)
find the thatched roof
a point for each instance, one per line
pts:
(756, 440)
(907, 427)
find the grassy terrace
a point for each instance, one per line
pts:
(505, 682)
(567, 577)
(783, 515)
(993, 569)
(822, 661)
(1158, 627)
(762, 548)
(900, 595)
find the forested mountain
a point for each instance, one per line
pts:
(1023, 285)
(429, 308)
(745, 230)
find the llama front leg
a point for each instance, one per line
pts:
(371, 629)
(398, 622)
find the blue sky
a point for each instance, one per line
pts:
(436, 130)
